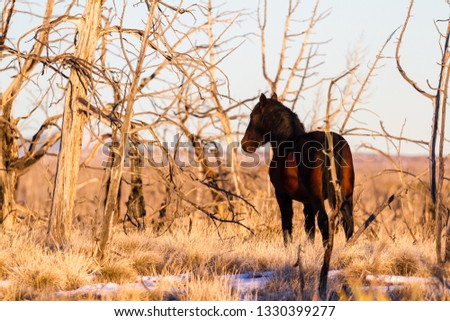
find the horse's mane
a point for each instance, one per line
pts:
(300, 128)
(289, 119)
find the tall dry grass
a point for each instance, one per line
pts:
(399, 242)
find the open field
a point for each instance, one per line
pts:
(134, 139)
(185, 242)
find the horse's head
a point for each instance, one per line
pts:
(257, 134)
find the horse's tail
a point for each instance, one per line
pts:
(343, 165)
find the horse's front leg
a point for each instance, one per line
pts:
(285, 204)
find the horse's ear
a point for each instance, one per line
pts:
(262, 100)
(274, 96)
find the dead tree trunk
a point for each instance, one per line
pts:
(119, 196)
(116, 171)
(335, 196)
(74, 118)
(9, 150)
(439, 101)
(136, 202)
(437, 176)
(8, 175)
(113, 160)
(443, 99)
(9, 147)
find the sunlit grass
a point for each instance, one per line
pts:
(205, 252)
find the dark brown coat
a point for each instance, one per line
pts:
(299, 169)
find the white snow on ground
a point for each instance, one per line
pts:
(242, 283)
(143, 283)
(5, 284)
(245, 283)
(249, 281)
(398, 279)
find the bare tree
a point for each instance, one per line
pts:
(293, 78)
(221, 113)
(439, 102)
(11, 140)
(160, 67)
(116, 171)
(74, 119)
(200, 102)
(334, 192)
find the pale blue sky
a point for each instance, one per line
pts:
(366, 24)
(351, 24)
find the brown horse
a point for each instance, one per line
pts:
(299, 169)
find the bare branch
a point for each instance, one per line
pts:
(397, 56)
(365, 82)
(381, 207)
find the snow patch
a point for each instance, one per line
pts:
(5, 284)
(143, 283)
(243, 284)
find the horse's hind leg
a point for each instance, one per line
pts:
(313, 179)
(285, 204)
(309, 221)
(322, 220)
(347, 217)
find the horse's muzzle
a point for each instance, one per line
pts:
(249, 146)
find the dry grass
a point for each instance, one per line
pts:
(400, 242)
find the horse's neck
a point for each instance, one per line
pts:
(281, 149)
